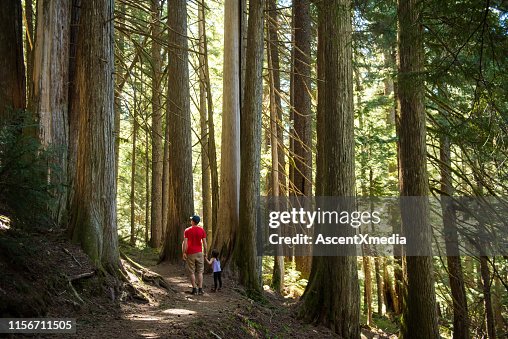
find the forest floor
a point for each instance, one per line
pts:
(36, 288)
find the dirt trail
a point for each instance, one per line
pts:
(224, 314)
(31, 285)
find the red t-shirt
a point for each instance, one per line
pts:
(194, 234)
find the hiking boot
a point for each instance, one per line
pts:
(194, 291)
(200, 291)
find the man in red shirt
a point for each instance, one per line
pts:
(194, 237)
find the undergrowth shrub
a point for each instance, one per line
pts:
(25, 194)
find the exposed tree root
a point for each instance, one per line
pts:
(145, 274)
(135, 292)
(215, 335)
(81, 276)
(72, 256)
(75, 293)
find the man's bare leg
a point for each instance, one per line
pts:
(193, 279)
(200, 280)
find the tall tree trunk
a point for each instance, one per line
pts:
(120, 13)
(73, 111)
(206, 192)
(93, 209)
(12, 67)
(420, 317)
(302, 114)
(30, 48)
(367, 294)
(275, 90)
(179, 121)
(165, 178)
(367, 258)
(157, 150)
(389, 63)
(380, 285)
(391, 298)
(241, 17)
(485, 279)
(455, 274)
(277, 169)
(498, 306)
(147, 190)
(399, 261)
(50, 93)
(211, 151)
(292, 191)
(135, 128)
(487, 297)
(251, 151)
(482, 323)
(332, 294)
(378, 261)
(228, 213)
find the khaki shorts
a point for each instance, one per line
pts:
(195, 263)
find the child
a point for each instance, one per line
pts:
(215, 262)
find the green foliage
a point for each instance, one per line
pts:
(25, 194)
(293, 282)
(385, 324)
(145, 255)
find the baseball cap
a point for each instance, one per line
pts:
(196, 219)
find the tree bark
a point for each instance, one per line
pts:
(380, 285)
(391, 298)
(135, 128)
(487, 297)
(378, 261)
(301, 112)
(399, 261)
(242, 26)
(12, 67)
(228, 213)
(246, 257)
(455, 273)
(206, 192)
(157, 150)
(118, 89)
(420, 316)
(93, 209)
(179, 121)
(332, 294)
(498, 305)
(277, 169)
(212, 152)
(484, 279)
(30, 49)
(73, 103)
(274, 65)
(367, 294)
(147, 190)
(165, 178)
(50, 94)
